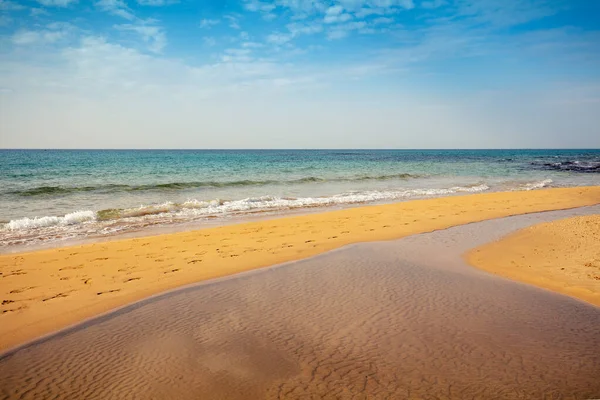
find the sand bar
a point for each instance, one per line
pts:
(563, 256)
(405, 319)
(46, 290)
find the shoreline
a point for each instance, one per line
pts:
(371, 319)
(226, 220)
(48, 290)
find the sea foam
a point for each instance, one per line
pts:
(73, 218)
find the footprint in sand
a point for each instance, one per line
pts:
(21, 290)
(108, 291)
(171, 271)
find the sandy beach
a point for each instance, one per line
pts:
(563, 256)
(402, 319)
(47, 290)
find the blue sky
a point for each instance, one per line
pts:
(300, 73)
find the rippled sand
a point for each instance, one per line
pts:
(390, 320)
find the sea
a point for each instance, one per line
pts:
(55, 197)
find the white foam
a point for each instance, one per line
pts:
(82, 223)
(537, 185)
(73, 218)
(265, 203)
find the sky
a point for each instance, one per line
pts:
(300, 74)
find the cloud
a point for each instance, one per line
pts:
(54, 32)
(279, 38)
(233, 21)
(504, 13)
(334, 10)
(116, 7)
(56, 3)
(6, 5)
(331, 19)
(341, 31)
(252, 45)
(431, 4)
(209, 23)
(209, 41)
(335, 14)
(26, 37)
(296, 28)
(153, 35)
(36, 12)
(237, 55)
(259, 6)
(383, 20)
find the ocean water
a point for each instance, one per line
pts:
(52, 196)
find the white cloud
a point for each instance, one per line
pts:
(209, 23)
(237, 56)
(116, 7)
(36, 12)
(26, 37)
(296, 28)
(251, 45)
(341, 31)
(56, 3)
(153, 35)
(233, 21)
(6, 5)
(504, 13)
(334, 10)
(209, 41)
(431, 4)
(365, 12)
(332, 19)
(383, 20)
(259, 6)
(53, 33)
(244, 36)
(279, 38)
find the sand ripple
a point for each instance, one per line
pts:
(394, 320)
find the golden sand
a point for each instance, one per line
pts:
(46, 290)
(563, 256)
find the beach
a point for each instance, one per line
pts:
(400, 319)
(51, 289)
(563, 256)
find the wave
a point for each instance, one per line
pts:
(536, 185)
(572, 166)
(109, 221)
(74, 218)
(60, 190)
(193, 209)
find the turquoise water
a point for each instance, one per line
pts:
(50, 195)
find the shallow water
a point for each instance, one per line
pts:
(393, 320)
(60, 195)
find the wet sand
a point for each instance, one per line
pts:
(389, 320)
(563, 256)
(47, 290)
